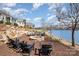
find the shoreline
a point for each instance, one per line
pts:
(64, 42)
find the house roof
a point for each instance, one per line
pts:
(4, 12)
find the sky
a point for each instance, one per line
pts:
(32, 12)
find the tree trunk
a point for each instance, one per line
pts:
(73, 40)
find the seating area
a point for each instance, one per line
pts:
(25, 46)
(21, 47)
(25, 49)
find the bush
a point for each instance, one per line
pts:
(1, 22)
(8, 23)
(15, 24)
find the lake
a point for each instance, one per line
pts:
(65, 34)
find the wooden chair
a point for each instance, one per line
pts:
(45, 50)
(25, 48)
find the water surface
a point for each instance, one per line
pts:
(65, 34)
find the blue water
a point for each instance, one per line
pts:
(66, 35)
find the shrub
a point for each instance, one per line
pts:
(15, 24)
(8, 23)
(1, 21)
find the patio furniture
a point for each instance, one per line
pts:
(30, 34)
(39, 38)
(44, 50)
(13, 43)
(10, 42)
(26, 48)
(16, 44)
(42, 33)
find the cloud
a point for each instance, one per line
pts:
(51, 17)
(51, 6)
(37, 5)
(52, 20)
(20, 12)
(54, 5)
(9, 4)
(7, 9)
(37, 21)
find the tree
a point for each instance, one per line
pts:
(71, 16)
(24, 21)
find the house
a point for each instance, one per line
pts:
(23, 23)
(20, 22)
(6, 17)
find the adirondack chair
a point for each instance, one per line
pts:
(45, 50)
(25, 48)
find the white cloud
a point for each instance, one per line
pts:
(36, 5)
(21, 11)
(54, 5)
(7, 9)
(16, 12)
(37, 19)
(51, 6)
(51, 17)
(9, 4)
(52, 20)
